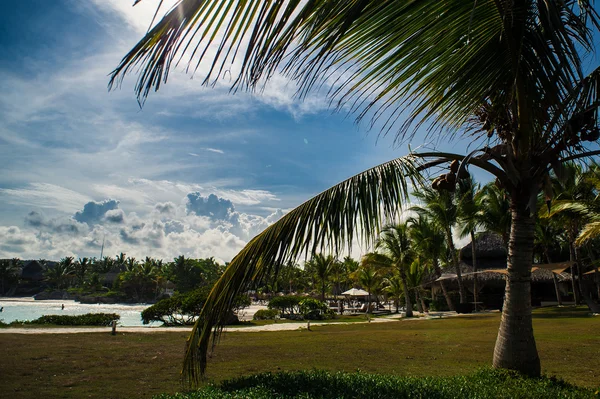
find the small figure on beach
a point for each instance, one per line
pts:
(2, 309)
(62, 307)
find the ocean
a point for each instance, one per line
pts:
(30, 309)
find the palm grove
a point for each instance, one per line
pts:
(507, 74)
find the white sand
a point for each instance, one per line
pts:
(268, 327)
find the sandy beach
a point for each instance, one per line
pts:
(269, 327)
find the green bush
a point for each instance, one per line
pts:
(184, 308)
(89, 319)
(313, 309)
(286, 305)
(484, 384)
(266, 314)
(180, 309)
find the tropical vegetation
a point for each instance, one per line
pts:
(510, 75)
(487, 383)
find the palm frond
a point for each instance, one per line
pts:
(444, 59)
(362, 202)
(588, 232)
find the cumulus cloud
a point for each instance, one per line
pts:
(203, 226)
(212, 206)
(165, 208)
(115, 216)
(93, 211)
(59, 225)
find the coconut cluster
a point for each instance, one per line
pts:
(447, 182)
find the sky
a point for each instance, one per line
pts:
(197, 171)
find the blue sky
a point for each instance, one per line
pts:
(197, 171)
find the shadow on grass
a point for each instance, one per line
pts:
(565, 312)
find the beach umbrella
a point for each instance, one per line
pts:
(355, 292)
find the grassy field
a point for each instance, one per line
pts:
(142, 365)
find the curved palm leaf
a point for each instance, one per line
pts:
(450, 56)
(331, 218)
(589, 231)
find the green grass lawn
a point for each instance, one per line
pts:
(139, 365)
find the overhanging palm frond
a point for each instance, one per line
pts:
(452, 57)
(590, 231)
(362, 202)
(561, 206)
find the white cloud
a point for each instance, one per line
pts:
(215, 150)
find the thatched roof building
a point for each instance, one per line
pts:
(491, 254)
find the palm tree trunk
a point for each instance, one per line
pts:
(582, 288)
(473, 255)
(515, 346)
(422, 301)
(596, 272)
(461, 286)
(558, 298)
(409, 311)
(438, 271)
(573, 258)
(419, 305)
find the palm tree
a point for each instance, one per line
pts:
(60, 275)
(441, 208)
(395, 289)
(546, 237)
(509, 73)
(429, 243)
(120, 261)
(415, 277)
(339, 275)
(574, 193)
(397, 253)
(81, 269)
(370, 280)
(469, 219)
(322, 267)
(495, 210)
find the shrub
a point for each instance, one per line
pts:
(266, 314)
(184, 308)
(89, 319)
(326, 385)
(313, 309)
(286, 305)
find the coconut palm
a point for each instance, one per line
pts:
(495, 210)
(429, 243)
(440, 206)
(321, 267)
(469, 219)
(546, 237)
(370, 280)
(395, 289)
(81, 269)
(339, 275)
(509, 73)
(415, 277)
(571, 190)
(396, 253)
(589, 209)
(61, 274)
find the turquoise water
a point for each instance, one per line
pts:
(29, 309)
